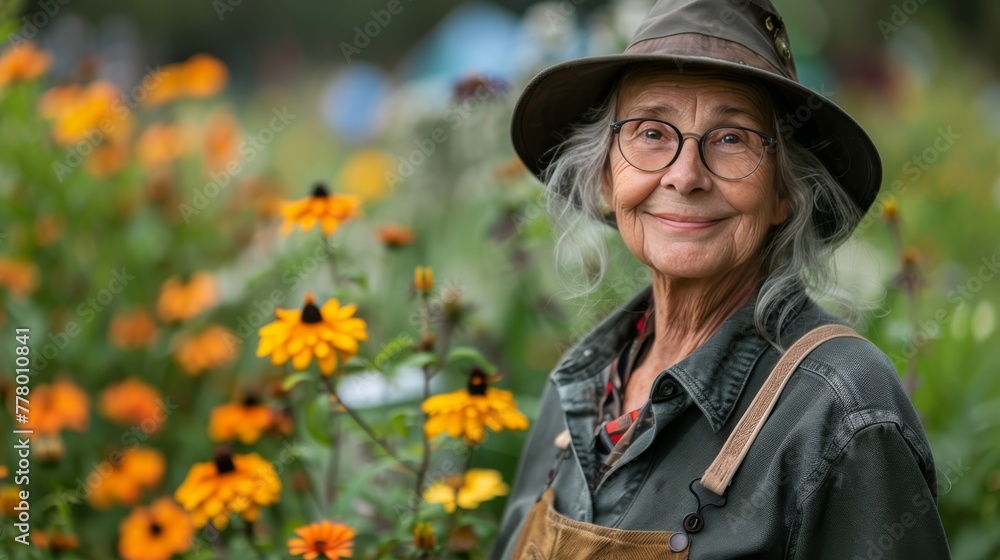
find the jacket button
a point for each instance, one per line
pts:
(668, 389)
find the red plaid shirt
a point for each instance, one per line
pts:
(616, 422)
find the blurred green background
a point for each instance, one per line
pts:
(365, 93)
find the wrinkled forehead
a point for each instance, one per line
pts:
(649, 84)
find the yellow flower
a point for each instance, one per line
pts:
(156, 532)
(476, 487)
(229, 484)
(423, 536)
(890, 209)
(58, 406)
(325, 538)
(23, 62)
(123, 477)
(92, 113)
(423, 279)
(364, 174)
(179, 301)
(466, 413)
(322, 207)
(214, 348)
(245, 420)
(328, 334)
(200, 76)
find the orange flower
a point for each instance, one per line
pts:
(156, 532)
(161, 144)
(91, 113)
(132, 330)
(322, 207)
(328, 334)
(324, 538)
(10, 497)
(214, 348)
(246, 420)
(423, 279)
(55, 540)
(47, 229)
(133, 402)
(61, 405)
(107, 159)
(200, 76)
(123, 477)
(468, 412)
(226, 485)
(23, 62)
(204, 75)
(179, 301)
(20, 277)
(221, 139)
(890, 209)
(393, 235)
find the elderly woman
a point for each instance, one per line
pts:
(721, 413)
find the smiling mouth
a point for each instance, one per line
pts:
(686, 223)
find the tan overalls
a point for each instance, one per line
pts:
(549, 535)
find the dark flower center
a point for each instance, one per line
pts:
(155, 529)
(320, 546)
(224, 462)
(311, 314)
(251, 400)
(319, 191)
(477, 382)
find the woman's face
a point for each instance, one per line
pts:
(684, 221)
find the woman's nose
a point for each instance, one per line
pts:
(687, 173)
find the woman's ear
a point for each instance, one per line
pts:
(783, 211)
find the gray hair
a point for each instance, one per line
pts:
(796, 258)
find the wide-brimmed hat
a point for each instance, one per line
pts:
(741, 38)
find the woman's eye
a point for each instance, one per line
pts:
(652, 134)
(730, 139)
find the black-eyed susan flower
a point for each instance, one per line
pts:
(329, 333)
(423, 279)
(245, 420)
(322, 207)
(213, 348)
(133, 402)
(229, 484)
(324, 539)
(156, 532)
(467, 412)
(123, 477)
(476, 487)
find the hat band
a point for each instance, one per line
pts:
(705, 46)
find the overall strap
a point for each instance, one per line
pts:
(720, 473)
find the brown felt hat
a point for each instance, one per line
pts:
(742, 38)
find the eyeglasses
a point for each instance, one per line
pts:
(731, 152)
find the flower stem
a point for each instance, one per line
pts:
(367, 428)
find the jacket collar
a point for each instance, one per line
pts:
(714, 375)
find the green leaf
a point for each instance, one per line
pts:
(468, 353)
(318, 419)
(294, 379)
(420, 359)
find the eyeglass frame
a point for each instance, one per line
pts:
(769, 141)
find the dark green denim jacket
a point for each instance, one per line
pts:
(841, 469)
